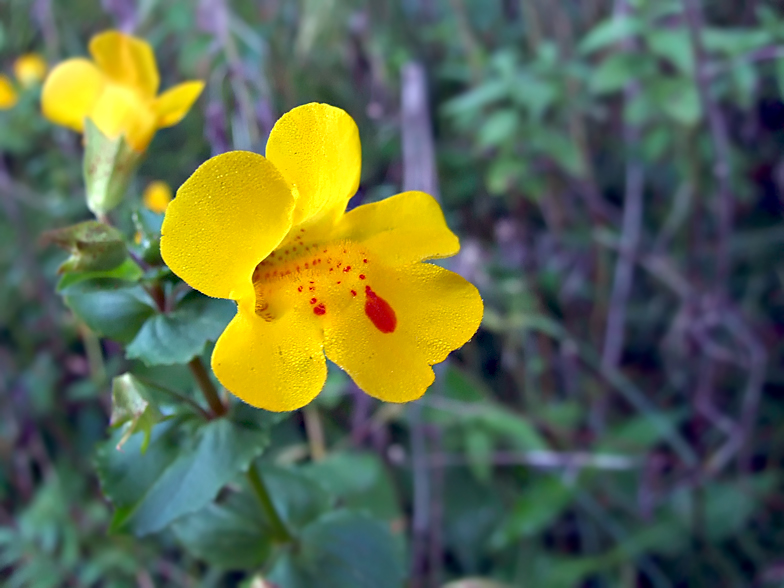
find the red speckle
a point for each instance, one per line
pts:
(379, 312)
(313, 301)
(311, 288)
(302, 230)
(347, 268)
(319, 310)
(353, 292)
(286, 252)
(325, 251)
(337, 282)
(299, 289)
(361, 276)
(307, 265)
(298, 268)
(332, 269)
(364, 261)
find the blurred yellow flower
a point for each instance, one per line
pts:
(8, 95)
(30, 69)
(117, 90)
(157, 196)
(309, 278)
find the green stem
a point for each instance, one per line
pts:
(207, 387)
(279, 530)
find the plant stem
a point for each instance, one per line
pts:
(279, 529)
(207, 387)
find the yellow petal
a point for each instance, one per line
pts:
(8, 96)
(174, 104)
(70, 92)
(277, 365)
(157, 196)
(30, 69)
(227, 217)
(126, 60)
(120, 110)
(316, 147)
(405, 228)
(388, 355)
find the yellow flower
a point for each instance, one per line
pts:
(309, 278)
(30, 69)
(157, 196)
(8, 95)
(117, 91)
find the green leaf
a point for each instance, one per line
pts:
(360, 482)
(112, 308)
(128, 271)
(538, 506)
(479, 450)
(342, 549)
(174, 477)
(131, 406)
(232, 534)
(674, 46)
(109, 165)
(734, 42)
(94, 246)
(679, 99)
(473, 101)
(609, 32)
(616, 71)
(561, 149)
(498, 128)
(181, 335)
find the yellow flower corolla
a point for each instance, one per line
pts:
(312, 280)
(117, 91)
(30, 69)
(157, 196)
(8, 95)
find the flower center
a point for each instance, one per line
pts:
(321, 278)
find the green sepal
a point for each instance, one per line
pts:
(148, 227)
(109, 165)
(94, 246)
(133, 407)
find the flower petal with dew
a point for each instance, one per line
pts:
(157, 196)
(30, 69)
(117, 90)
(8, 95)
(312, 280)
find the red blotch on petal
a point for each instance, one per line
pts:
(313, 301)
(379, 312)
(319, 310)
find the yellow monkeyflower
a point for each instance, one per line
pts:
(157, 196)
(117, 91)
(8, 95)
(30, 69)
(311, 279)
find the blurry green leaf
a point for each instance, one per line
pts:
(232, 534)
(479, 450)
(559, 147)
(498, 127)
(679, 99)
(173, 478)
(673, 45)
(734, 42)
(131, 406)
(539, 505)
(535, 94)
(744, 81)
(148, 230)
(475, 583)
(477, 98)
(504, 172)
(618, 70)
(360, 482)
(94, 246)
(342, 549)
(110, 307)
(640, 433)
(127, 271)
(609, 32)
(109, 165)
(181, 335)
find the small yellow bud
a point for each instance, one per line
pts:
(157, 196)
(30, 69)
(8, 95)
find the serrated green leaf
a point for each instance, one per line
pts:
(112, 308)
(181, 335)
(173, 478)
(342, 549)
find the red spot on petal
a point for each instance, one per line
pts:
(311, 288)
(332, 269)
(325, 251)
(313, 301)
(286, 252)
(364, 261)
(347, 268)
(299, 289)
(319, 310)
(337, 282)
(302, 230)
(353, 292)
(361, 276)
(379, 312)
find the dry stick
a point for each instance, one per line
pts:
(630, 228)
(419, 173)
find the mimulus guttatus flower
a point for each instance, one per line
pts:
(30, 69)
(312, 280)
(8, 95)
(117, 91)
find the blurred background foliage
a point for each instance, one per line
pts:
(614, 170)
